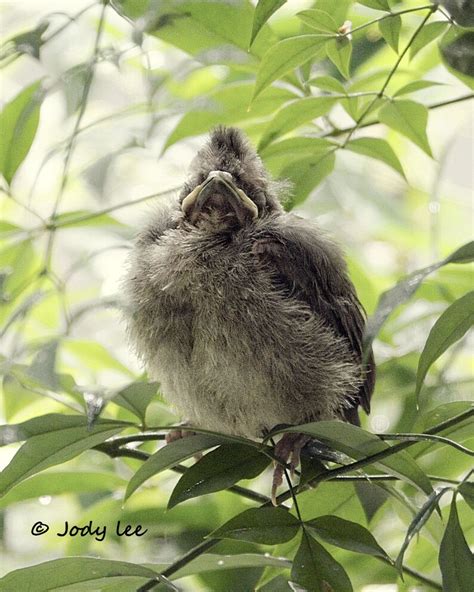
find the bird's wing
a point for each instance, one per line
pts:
(312, 268)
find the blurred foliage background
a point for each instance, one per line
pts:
(104, 107)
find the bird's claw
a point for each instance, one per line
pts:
(287, 449)
(177, 434)
(277, 481)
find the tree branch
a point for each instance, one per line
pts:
(332, 473)
(119, 206)
(429, 437)
(342, 131)
(117, 451)
(389, 15)
(72, 140)
(431, 8)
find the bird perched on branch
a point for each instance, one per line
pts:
(243, 312)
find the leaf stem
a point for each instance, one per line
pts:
(431, 9)
(111, 449)
(413, 573)
(206, 545)
(340, 132)
(72, 139)
(71, 19)
(378, 456)
(126, 204)
(429, 437)
(119, 206)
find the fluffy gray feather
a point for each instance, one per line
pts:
(247, 322)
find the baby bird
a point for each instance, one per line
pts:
(243, 312)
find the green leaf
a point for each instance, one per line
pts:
(18, 261)
(53, 448)
(419, 521)
(410, 119)
(267, 526)
(455, 558)
(31, 42)
(16, 396)
(464, 254)
(275, 584)
(93, 356)
(379, 149)
(59, 573)
(62, 482)
(318, 19)
(375, 4)
(136, 397)
(228, 105)
(405, 288)
(45, 424)
(328, 84)
(371, 497)
(85, 218)
(170, 455)
(345, 534)
(218, 470)
(339, 51)
(87, 573)
(338, 10)
(415, 86)
(263, 11)
(197, 27)
(455, 321)
(316, 570)
(18, 121)
(42, 369)
(390, 30)
(8, 227)
(359, 444)
(216, 562)
(294, 114)
(466, 489)
(286, 55)
(73, 82)
(427, 34)
(278, 154)
(307, 174)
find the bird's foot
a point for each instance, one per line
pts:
(177, 434)
(287, 449)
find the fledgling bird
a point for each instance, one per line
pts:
(245, 313)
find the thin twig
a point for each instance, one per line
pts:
(72, 140)
(119, 206)
(429, 437)
(207, 545)
(115, 452)
(71, 19)
(386, 16)
(413, 573)
(374, 458)
(346, 130)
(431, 8)
(129, 203)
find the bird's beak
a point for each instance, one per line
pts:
(219, 182)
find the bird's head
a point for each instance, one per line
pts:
(228, 184)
